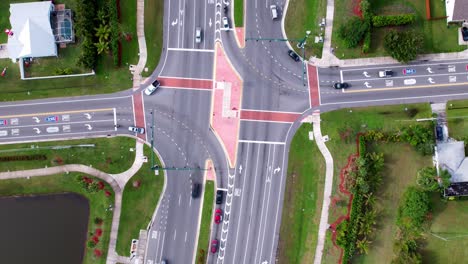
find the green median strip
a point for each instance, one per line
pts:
(140, 197)
(154, 10)
(239, 13)
(204, 235)
(302, 201)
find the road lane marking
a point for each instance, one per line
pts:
(405, 88)
(261, 142)
(66, 123)
(196, 50)
(180, 196)
(185, 237)
(58, 113)
(407, 76)
(404, 66)
(175, 233)
(66, 134)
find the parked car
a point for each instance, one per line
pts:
(198, 35)
(385, 73)
(464, 31)
(293, 55)
(134, 129)
(219, 197)
(274, 12)
(225, 23)
(196, 190)
(218, 216)
(152, 87)
(339, 85)
(214, 245)
(439, 133)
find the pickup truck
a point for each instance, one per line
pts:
(385, 73)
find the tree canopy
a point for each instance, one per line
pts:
(403, 46)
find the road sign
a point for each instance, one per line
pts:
(3, 122)
(409, 71)
(51, 119)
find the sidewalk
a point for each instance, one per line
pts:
(138, 69)
(323, 226)
(329, 59)
(124, 177)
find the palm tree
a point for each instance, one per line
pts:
(367, 222)
(103, 32)
(363, 245)
(102, 46)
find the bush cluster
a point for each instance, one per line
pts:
(115, 32)
(353, 31)
(394, 20)
(85, 18)
(65, 71)
(367, 42)
(403, 46)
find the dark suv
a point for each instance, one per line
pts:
(293, 55)
(219, 197)
(464, 31)
(196, 190)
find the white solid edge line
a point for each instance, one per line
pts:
(267, 121)
(185, 88)
(185, 49)
(261, 142)
(67, 101)
(184, 78)
(388, 66)
(270, 111)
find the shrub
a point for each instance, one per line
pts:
(91, 244)
(98, 221)
(413, 209)
(365, 8)
(395, 20)
(367, 42)
(353, 31)
(88, 55)
(115, 31)
(403, 46)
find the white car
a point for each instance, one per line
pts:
(274, 12)
(198, 35)
(134, 129)
(225, 23)
(152, 87)
(385, 73)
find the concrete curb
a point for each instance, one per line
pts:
(283, 18)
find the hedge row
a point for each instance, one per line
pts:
(367, 42)
(115, 33)
(86, 11)
(23, 157)
(395, 20)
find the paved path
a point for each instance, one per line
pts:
(141, 44)
(328, 187)
(124, 177)
(329, 58)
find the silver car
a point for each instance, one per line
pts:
(225, 23)
(198, 35)
(152, 87)
(134, 129)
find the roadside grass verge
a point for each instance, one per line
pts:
(449, 224)
(108, 78)
(239, 13)
(138, 204)
(437, 36)
(111, 155)
(303, 15)
(66, 183)
(205, 224)
(342, 127)
(154, 10)
(457, 118)
(402, 163)
(302, 200)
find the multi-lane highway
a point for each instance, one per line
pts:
(273, 84)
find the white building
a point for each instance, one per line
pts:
(456, 10)
(32, 30)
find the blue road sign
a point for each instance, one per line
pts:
(409, 71)
(51, 119)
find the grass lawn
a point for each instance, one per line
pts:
(437, 37)
(138, 204)
(154, 10)
(63, 183)
(110, 155)
(303, 200)
(457, 117)
(399, 172)
(108, 78)
(239, 13)
(303, 15)
(204, 235)
(342, 126)
(448, 222)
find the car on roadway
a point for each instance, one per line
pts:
(385, 73)
(138, 130)
(464, 31)
(408, 71)
(198, 35)
(214, 245)
(196, 190)
(225, 23)
(339, 85)
(152, 87)
(219, 197)
(218, 216)
(274, 12)
(293, 55)
(164, 261)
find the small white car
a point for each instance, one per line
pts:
(274, 12)
(152, 87)
(134, 129)
(225, 23)
(198, 35)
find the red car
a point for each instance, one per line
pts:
(214, 246)
(218, 216)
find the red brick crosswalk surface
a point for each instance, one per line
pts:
(186, 83)
(313, 86)
(269, 116)
(138, 111)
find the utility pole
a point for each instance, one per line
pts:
(301, 45)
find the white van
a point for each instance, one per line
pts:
(274, 12)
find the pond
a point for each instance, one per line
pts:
(48, 229)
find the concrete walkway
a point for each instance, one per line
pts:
(116, 181)
(124, 177)
(328, 187)
(138, 69)
(329, 59)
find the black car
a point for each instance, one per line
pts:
(196, 190)
(464, 31)
(439, 133)
(338, 85)
(293, 55)
(219, 197)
